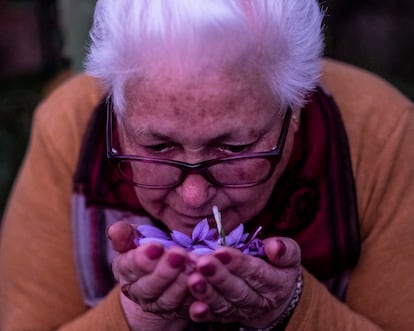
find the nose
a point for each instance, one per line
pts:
(196, 191)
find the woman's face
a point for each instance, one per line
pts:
(193, 122)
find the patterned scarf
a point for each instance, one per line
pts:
(314, 202)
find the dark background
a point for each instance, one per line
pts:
(374, 34)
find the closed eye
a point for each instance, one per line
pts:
(160, 148)
(234, 149)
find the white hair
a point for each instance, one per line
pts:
(280, 40)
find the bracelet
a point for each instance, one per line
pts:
(288, 311)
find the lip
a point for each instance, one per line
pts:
(202, 214)
(190, 220)
(195, 217)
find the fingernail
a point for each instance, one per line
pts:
(200, 287)
(282, 248)
(223, 257)
(190, 267)
(176, 260)
(208, 270)
(154, 252)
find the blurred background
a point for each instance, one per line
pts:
(42, 42)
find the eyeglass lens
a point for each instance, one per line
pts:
(230, 172)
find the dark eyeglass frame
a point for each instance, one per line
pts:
(200, 168)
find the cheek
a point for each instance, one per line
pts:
(151, 200)
(250, 196)
(247, 203)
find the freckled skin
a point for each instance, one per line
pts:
(194, 117)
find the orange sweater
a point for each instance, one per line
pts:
(39, 289)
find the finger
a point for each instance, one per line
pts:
(282, 252)
(259, 275)
(174, 296)
(221, 283)
(173, 303)
(255, 287)
(164, 292)
(220, 295)
(209, 305)
(122, 236)
(134, 264)
(167, 270)
(199, 312)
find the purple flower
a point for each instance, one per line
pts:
(200, 234)
(254, 248)
(203, 240)
(150, 233)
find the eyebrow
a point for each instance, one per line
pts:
(139, 132)
(144, 131)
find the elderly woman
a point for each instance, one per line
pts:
(206, 111)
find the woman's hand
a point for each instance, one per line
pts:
(153, 281)
(230, 286)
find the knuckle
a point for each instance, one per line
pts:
(223, 308)
(145, 293)
(242, 298)
(147, 307)
(266, 304)
(256, 278)
(165, 303)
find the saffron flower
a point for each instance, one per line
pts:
(203, 240)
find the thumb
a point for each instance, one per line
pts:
(282, 251)
(122, 235)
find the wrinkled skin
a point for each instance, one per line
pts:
(197, 121)
(172, 287)
(192, 121)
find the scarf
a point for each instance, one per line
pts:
(314, 202)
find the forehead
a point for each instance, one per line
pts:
(217, 101)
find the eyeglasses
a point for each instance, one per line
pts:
(243, 170)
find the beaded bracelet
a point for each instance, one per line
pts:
(288, 311)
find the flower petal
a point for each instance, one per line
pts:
(255, 248)
(164, 242)
(212, 235)
(254, 235)
(147, 230)
(244, 237)
(200, 231)
(212, 244)
(233, 238)
(202, 250)
(181, 239)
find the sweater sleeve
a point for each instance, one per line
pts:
(39, 289)
(380, 295)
